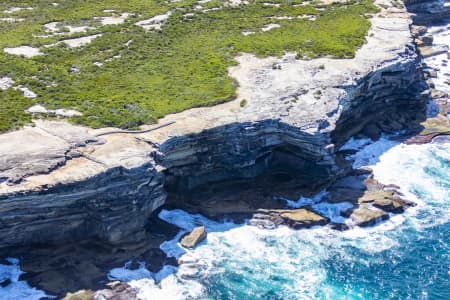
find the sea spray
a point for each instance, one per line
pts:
(17, 289)
(404, 257)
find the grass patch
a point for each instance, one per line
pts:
(182, 66)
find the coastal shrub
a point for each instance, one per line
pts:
(145, 75)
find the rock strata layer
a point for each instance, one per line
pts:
(72, 182)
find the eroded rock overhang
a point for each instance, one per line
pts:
(74, 181)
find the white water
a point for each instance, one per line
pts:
(241, 261)
(441, 36)
(17, 290)
(245, 262)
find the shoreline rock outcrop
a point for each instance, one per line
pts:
(295, 118)
(193, 238)
(60, 182)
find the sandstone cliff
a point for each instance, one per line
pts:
(61, 182)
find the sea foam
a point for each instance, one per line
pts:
(239, 261)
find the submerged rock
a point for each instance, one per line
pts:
(192, 239)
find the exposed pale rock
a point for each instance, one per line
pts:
(113, 20)
(235, 3)
(27, 93)
(248, 32)
(283, 127)
(52, 26)
(66, 113)
(81, 41)
(154, 23)
(270, 27)
(36, 109)
(25, 51)
(193, 238)
(271, 4)
(12, 20)
(16, 9)
(79, 295)
(6, 83)
(55, 28)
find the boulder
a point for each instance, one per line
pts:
(366, 215)
(427, 40)
(389, 205)
(428, 51)
(192, 239)
(294, 218)
(418, 30)
(118, 291)
(302, 218)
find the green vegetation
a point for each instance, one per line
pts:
(159, 72)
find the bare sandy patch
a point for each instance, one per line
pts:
(25, 51)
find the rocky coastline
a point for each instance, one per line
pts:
(84, 188)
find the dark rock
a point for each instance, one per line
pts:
(5, 282)
(372, 131)
(427, 40)
(350, 182)
(339, 227)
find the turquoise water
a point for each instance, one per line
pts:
(406, 257)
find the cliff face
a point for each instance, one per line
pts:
(388, 99)
(297, 114)
(112, 206)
